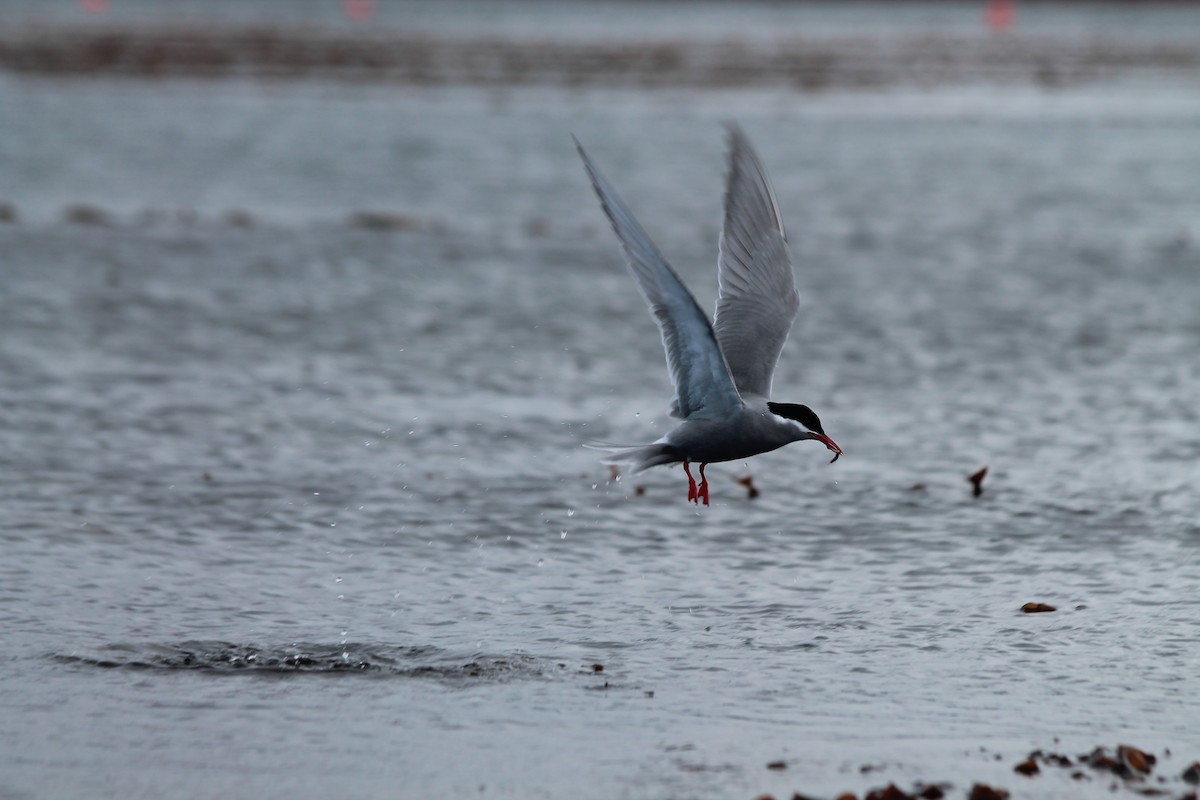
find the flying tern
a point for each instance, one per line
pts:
(721, 370)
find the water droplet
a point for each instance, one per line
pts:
(541, 561)
(562, 535)
(570, 512)
(508, 538)
(337, 579)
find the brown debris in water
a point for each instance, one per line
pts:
(976, 481)
(384, 221)
(639, 490)
(1037, 608)
(1131, 764)
(1135, 759)
(921, 791)
(889, 792)
(1027, 767)
(236, 218)
(776, 765)
(613, 473)
(82, 214)
(748, 481)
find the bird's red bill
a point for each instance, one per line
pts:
(831, 444)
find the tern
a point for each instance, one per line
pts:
(721, 370)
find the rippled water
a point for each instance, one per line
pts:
(293, 506)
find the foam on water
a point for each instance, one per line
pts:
(411, 662)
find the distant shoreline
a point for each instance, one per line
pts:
(806, 63)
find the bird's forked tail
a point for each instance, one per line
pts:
(637, 457)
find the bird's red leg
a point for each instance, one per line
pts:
(692, 492)
(702, 492)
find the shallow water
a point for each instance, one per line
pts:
(293, 506)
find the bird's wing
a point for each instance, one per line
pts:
(757, 300)
(703, 385)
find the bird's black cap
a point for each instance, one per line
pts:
(802, 414)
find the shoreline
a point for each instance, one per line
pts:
(805, 63)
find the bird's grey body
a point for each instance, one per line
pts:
(721, 371)
(746, 432)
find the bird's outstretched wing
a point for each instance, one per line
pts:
(757, 300)
(703, 385)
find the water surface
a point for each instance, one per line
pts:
(294, 505)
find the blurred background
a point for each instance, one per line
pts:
(306, 307)
(346, 50)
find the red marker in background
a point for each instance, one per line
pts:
(1000, 14)
(94, 6)
(358, 10)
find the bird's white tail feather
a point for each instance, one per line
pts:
(637, 457)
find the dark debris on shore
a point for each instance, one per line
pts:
(1128, 767)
